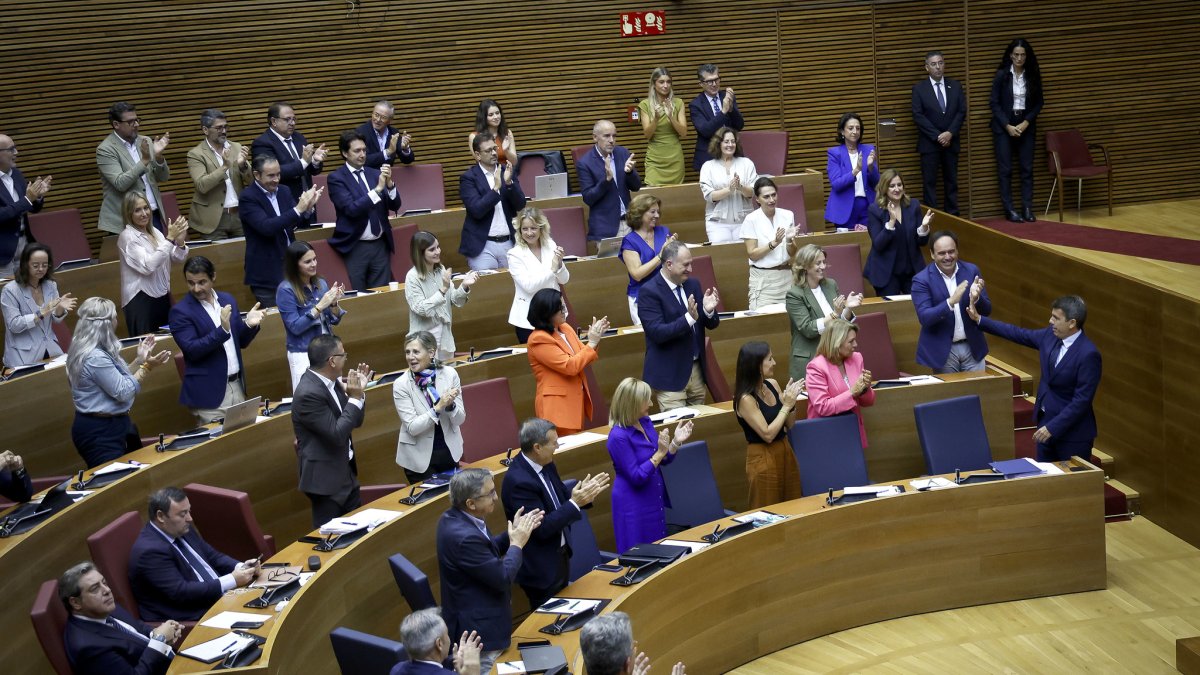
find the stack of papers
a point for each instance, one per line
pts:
(573, 606)
(760, 518)
(118, 466)
(877, 490)
(693, 546)
(217, 648)
(227, 619)
(368, 518)
(672, 415)
(932, 483)
(576, 440)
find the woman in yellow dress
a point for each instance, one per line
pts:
(664, 124)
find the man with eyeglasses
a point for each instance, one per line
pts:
(491, 196)
(220, 170)
(130, 162)
(299, 160)
(18, 197)
(939, 109)
(385, 145)
(173, 572)
(711, 110)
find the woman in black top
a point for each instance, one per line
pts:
(1016, 101)
(765, 414)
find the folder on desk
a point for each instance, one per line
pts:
(543, 658)
(1017, 468)
(643, 553)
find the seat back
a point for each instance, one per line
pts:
(413, 583)
(420, 186)
(491, 426)
(49, 620)
(402, 256)
(767, 149)
(326, 213)
(875, 344)
(718, 386)
(829, 453)
(62, 231)
(110, 546)
(1071, 148)
(39, 484)
(585, 552)
(330, 264)
(843, 264)
(370, 493)
(568, 229)
(702, 270)
(170, 205)
(692, 487)
(577, 153)
(953, 435)
(226, 520)
(180, 364)
(359, 653)
(599, 403)
(62, 333)
(529, 167)
(791, 197)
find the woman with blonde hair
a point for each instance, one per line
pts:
(641, 249)
(146, 257)
(427, 398)
(534, 263)
(836, 379)
(812, 302)
(663, 124)
(897, 234)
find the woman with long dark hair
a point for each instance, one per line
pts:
(559, 360)
(489, 120)
(308, 305)
(765, 412)
(1016, 101)
(853, 170)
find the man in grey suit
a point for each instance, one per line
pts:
(323, 417)
(220, 169)
(126, 162)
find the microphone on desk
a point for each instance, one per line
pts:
(161, 446)
(957, 476)
(507, 457)
(266, 407)
(829, 499)
(79, 484)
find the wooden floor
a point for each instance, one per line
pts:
(1153, 597)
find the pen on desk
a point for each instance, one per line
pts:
(229, 646)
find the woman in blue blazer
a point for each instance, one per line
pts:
(853, 170)
(307, 304)
(897, 234)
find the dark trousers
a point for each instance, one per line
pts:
(523, 334)
(1022, 147)
(145, 314)
(325, 508)
(945, 160)
(538, 596)
(264, 295)
(368, 265)
(897, 285)
(440, 462)
(103, 439)
(1063, 450)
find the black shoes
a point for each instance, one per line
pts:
(1028, 215)
(1014, 217)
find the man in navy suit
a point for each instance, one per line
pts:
(270, 215)
(172, 570)
(606, 175)
(385, 145)
(939, 108)
(711, 110)
(363, 198)
(211, 334)
(104, 639)
(427, 642)
(1070, 375)
(14, 479)
(948, 343)
(18, 197)
(491, 198)
(299, 160)
(674, 315)
(532, 482)
(477, 569)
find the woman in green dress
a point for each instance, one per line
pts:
(664, 124)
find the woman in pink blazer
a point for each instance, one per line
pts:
(836, 380)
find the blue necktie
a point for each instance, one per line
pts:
(716, 105)
(199, 567)
(937, 88)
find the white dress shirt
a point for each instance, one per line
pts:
(951, 282)
(213, 308)
(231, 199)
(136, 154)
(499, 226)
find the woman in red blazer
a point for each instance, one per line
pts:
(836, 380)
(558, 360)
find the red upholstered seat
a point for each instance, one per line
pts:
(529, 167)
(325, 211)
(875, 344)
(225, 518)
(402, 257)
(491, 426)
(420, 186)
(767, 149)
(49, 619)
(843, 264)
(62, 231)
(170, 205)
(702, 271)
(568, 229)
(330, 264)
(110, 546)
(718, 386)
(791, 197)
(1069, 155)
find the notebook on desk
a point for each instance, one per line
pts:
(550, 186)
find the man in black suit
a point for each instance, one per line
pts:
(711, 110)
(270, 215)
(532, 482)
(363, 197)
(18, 197)
(491, 198)
(104, 639)
(14, 479)
(323, 417)
(606, 643)
(299, 160)
(939, 108)
(385, 145)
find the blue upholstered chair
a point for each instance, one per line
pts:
(585, 552)
(692, 487)
(829, 454)
(413, 583)
(365, 654)
(953, 435)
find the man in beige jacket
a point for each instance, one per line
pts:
(219, 169)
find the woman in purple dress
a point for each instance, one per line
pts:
(639, 497)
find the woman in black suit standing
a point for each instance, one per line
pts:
(1016, 101)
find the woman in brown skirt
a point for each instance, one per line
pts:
(765, 413)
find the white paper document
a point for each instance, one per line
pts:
(368, 518)
(760, 518)
(672, 415)
(510, 668)
(227, 619)
(877, 490)
(576, 440)
(932, 483)
(693, 545)
(573, 606)
(217, 648)
(117, 466)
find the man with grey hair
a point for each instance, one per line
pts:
(477, 569)
(18, 198)
(607, 645)
(428, 644)
(385, 145)
(607, 173)
(532, 482)
(220, 170)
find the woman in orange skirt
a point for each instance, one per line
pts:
(765, 411)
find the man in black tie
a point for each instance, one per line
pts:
(18, 198)
(363, 198)
(299, 160)
(270, 214)
(173, 571)
(939, 108)
(104, 639)
(711, 110)
(532, 483)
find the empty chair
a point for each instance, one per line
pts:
(829, 454)
(718, 386)
(529, 167)
(49, 620)
(62, 231)
(110, 546)
(413, 583)
(767, 149)
(843, 264)
(325, 211)
(1069, 157)
(401, 258)
(226, 519)
(585, 552)
(420, 186)
(702, 270)
(576, 153)
(953, 435)
(170, 205)
(359, 653)
(568, 228)
(692, 487)
(330, 264)
(875, 344)
(791, 197)
(491, 426)
(370, 493)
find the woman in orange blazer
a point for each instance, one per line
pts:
(558, 359)
(836, 380)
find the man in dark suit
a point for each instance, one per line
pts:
(949, 343)
(711, 110)
(477, 569)
(939, 108)
(299, 160)
(211, 334)
(18, 197)
(363, 198)
(606, 175)
(428, 644)
(270, 215)
(173, 571)
(491, 198)
(104, 639)
(323, 417)
(1070, 375)
(674, 315)
(607, 645)
(385, 145)
(15, 483)
(532, 482)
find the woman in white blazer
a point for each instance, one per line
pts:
(536, 262)
(427, 398)
(31, 308)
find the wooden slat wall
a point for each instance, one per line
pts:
(557, 66)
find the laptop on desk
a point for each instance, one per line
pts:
(550, 186)
(239, 416)
(609, 248)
